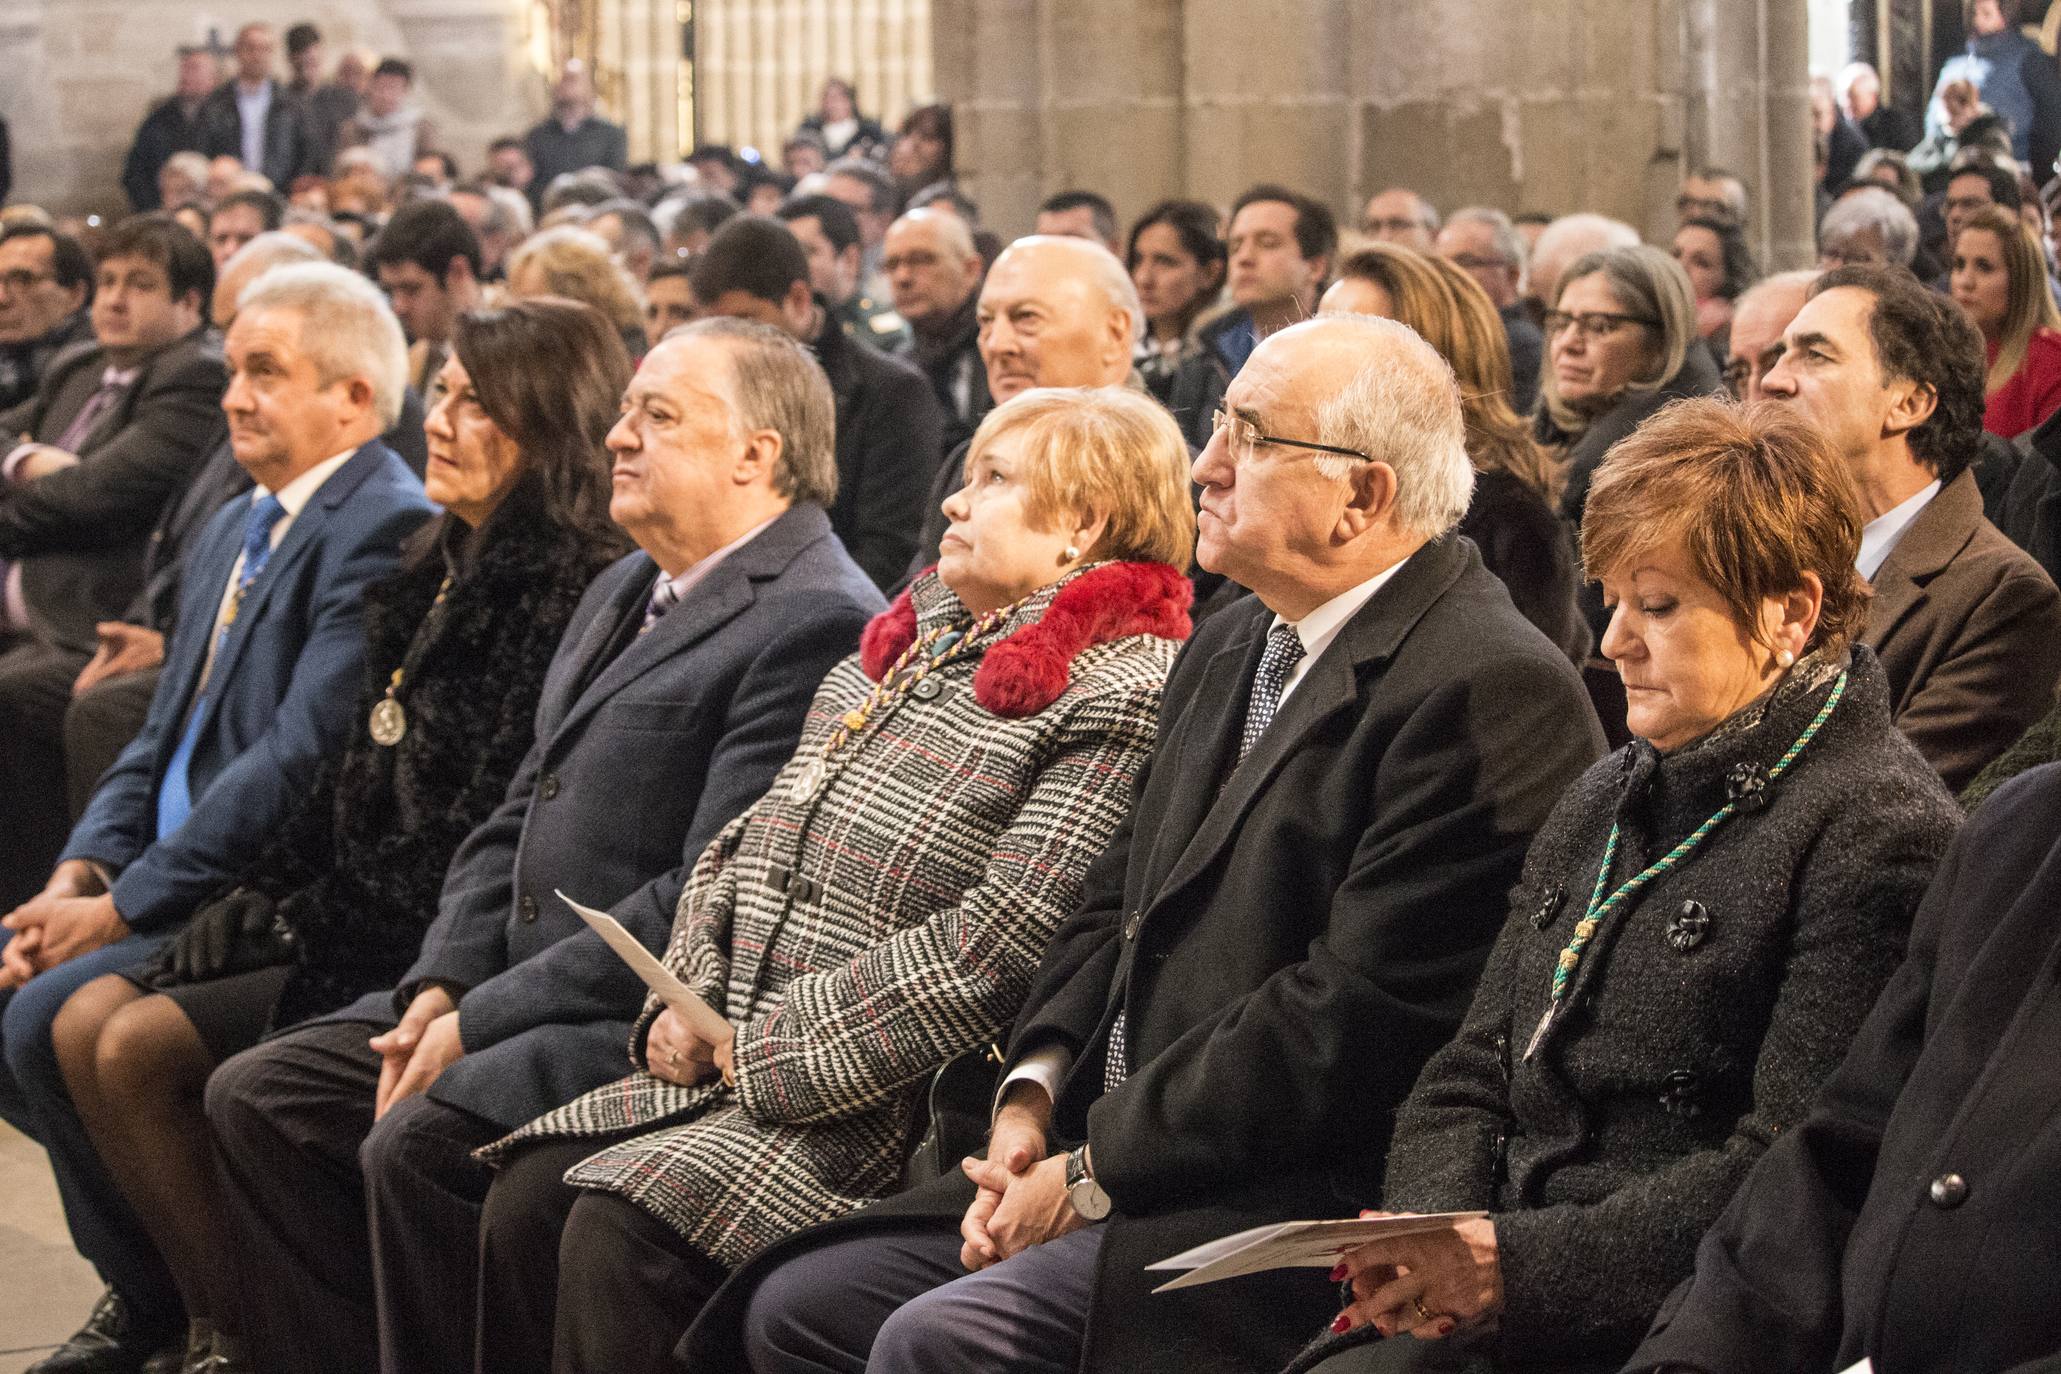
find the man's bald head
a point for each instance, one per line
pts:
(1759, 319)
(931, 265)
(1571, 237)
(1057, 311)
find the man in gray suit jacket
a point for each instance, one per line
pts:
(676, 695)
(115, 429)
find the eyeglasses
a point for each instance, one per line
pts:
(1394, 225)
(1476, 262)
(1591, 324)
(1689, 207)
(21, 279)
(1242, 436)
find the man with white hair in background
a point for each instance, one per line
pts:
(1482, 242)
(933, 273)
(258, 687)
(1375, 733)
(1867, 227)
(1566, 239)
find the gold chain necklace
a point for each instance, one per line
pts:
(949, 642)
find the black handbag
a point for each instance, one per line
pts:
(950, 1120)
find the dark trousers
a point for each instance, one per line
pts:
(35, 1101)
(35, 688)
(330, 1208)
(580, 1282)
(98, 725)
(899, 1302)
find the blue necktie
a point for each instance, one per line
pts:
(174, 793)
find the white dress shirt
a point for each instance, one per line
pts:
(1880, 535)
(253, 105)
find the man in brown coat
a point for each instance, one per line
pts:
(1967, 625)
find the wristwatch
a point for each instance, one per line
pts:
(1082, 1190)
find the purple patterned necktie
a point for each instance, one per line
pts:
(112, 385)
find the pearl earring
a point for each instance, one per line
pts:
(1784, 659)
(1070, 555)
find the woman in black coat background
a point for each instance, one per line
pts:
(1701, 926)
(1511, 518)
(337, 902)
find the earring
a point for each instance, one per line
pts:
(1784, 659)
(1070, 554)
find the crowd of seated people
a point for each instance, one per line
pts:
(1124, 734)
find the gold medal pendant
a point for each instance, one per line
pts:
(389, 722)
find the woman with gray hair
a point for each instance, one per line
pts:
(1869, 226)
(1620, 343)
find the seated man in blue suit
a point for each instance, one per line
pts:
(257, 687)
(676, 694)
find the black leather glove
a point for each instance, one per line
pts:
(232, 934)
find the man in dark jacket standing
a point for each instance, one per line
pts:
(573, 137)
(174, 126)
(1280, 247)
(889, 426)
(676, 694)
(257, 121)
(1218, 1038)
(1908, 1220)
(116, 429)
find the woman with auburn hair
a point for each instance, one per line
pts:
(339, 899)
(1511, 518)
(1701, 925)
(2000, 279)
(881, 910)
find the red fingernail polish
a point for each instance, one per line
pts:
(1343, 1323)
(1338, 1272)
(1445, 1328)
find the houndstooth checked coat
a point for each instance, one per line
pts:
(862, 936)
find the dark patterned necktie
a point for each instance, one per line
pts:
(664, 597)
(1284, 650)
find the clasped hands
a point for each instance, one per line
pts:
(1429, 1284)
(74, 914)
(673, 1051)
(1021, 1199)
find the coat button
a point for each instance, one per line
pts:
(547, 786)
(1131, 926)
(1680, 1092)
(1549, 906)
(927, 690)
(528, 909)
(1746, 786)
(1948, 1191)
(1689, 926)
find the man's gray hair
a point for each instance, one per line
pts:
(347, 329)
(777, 384)
(1099, 267)
(1509, 243)
(1877, 209)
(1403, 408)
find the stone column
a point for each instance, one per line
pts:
(39, 171)
(1266, 97)
(471, 68)
(990, 68)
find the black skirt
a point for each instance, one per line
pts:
(231, 1014)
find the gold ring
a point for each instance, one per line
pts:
(1422, 1312)
(672, 1059)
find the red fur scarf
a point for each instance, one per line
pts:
(1029, 670)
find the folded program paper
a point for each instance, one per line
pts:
(701, 1018)
(1296, 1245)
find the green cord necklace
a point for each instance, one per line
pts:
(1601, 906)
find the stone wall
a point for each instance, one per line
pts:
(1547, 105)
(82, 73)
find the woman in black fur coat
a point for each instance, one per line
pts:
(337, 902)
